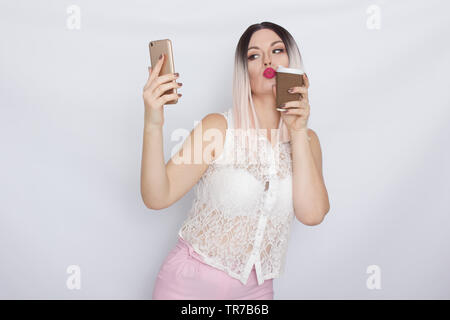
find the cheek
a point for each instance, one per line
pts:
(252, 70)
(253, 75)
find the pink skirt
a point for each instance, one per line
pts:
(184, 276)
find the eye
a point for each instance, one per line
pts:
(251, 57)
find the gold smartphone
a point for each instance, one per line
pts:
(156, 48)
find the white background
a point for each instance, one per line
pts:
(71, 125)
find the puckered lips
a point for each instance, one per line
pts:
(269, 73)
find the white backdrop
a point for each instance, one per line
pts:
(71, 121)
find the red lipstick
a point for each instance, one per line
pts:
(269, 73)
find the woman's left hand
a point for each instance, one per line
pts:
(297, 112)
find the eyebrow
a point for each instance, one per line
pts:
(254, 47)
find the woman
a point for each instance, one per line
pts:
(233, 242)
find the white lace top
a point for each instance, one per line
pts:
(242, 212)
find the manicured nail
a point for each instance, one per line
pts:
(160, 56)
(281, 109)
(176, 74)
(291, 90)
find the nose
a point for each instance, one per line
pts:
(267, 61)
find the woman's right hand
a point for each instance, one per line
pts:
(154, 97)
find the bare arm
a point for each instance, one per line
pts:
(164, 184)
(310, 195)
(154, 180)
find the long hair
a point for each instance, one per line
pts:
(244, 114)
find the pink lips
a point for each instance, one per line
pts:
(269, 73)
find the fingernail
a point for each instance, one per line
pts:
(160, 56)
(281, 109)
(176, 74)
(290, 90)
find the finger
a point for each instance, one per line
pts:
(164, 81)
(149, 78)
(288, 110)
(285, 105)
(291, 104)
(158, 66)
(303, 91)
(162, 88)
(305, 81)
(296, 105)
(302, 106)
(154, 73)
(169, 97)
(299, 109)
(300, 89)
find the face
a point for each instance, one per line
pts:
(264, 56)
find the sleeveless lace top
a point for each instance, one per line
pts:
(243, 211)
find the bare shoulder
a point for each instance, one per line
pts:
(215, 121)
(314, 140)
(313, 135)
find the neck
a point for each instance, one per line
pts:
(268, 115)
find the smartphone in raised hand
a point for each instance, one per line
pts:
(156, 48)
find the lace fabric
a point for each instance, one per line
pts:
(242, 211)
